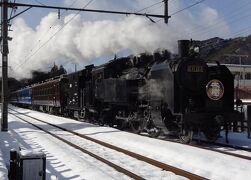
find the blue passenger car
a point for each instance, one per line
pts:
(24, 96)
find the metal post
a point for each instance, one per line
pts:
(166, 11)
(13, 164)
(4, 51)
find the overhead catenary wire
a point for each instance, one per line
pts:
(218, 24)
(39, 2)
(201, 30)
(188, 7)
(20, 65)
(42, 35)
(12, 10)
(183, 9)
(241, 31)
(31, 55)
(237, 33)
(145, 8)
(234, 34)
(237, 10)
(150, 6)
(154, 9)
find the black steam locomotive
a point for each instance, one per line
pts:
(151, 93)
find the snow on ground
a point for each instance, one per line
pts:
(66, 163)
(140, 168)
(3, 168)
(63, 161)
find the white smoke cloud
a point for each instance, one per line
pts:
(73, 39)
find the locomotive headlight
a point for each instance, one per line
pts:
(215, 89)
(196, 49)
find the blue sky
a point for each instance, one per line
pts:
(40, 38)
(236, 13)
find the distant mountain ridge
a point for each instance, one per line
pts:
(227, 50)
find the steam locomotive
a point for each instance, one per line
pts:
(150, 93)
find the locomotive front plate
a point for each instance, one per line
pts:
(215, 89)
(194, 68)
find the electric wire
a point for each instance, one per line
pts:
(200, 29)
(12, 10)
(233, 13)
(52, 36)
(236, 33)
(145, 8)
(30, 55)
(154, 9)
(45, 33)
(219, 24)
(236, 12)
(39, 2)
(183, 9)
(188, 7)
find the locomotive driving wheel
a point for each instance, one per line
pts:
(135, 123)
(212, 133)
(154, 132)
(136, 127)
(84, 113)
(211, 136)
(121, 124)
(186, 136)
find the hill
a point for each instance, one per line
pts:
(227, 50)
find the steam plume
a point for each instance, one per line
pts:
(73, 39)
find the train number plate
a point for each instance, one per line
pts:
(194, 68)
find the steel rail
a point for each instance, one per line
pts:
(109, 163)
(153, 162)
(210, 149)
(225, 145)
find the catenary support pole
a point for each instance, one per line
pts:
(166, 11)
(4, 51)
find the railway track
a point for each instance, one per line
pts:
(203, 144)
(224, 145)
(135, 156)
(221, 151)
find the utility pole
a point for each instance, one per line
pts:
(4, 51)
(166, 11)
(242, 71)
(75, 67)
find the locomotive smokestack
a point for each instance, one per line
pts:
(183, 48)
